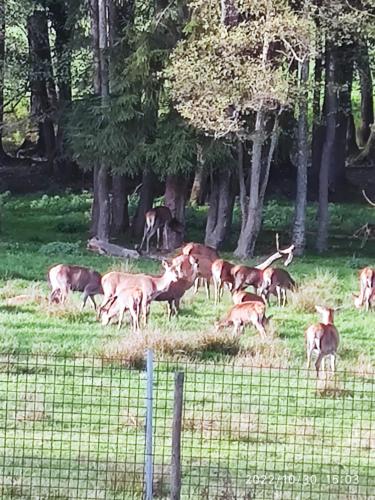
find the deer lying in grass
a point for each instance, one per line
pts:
(322, 339)
(64, 278)
(277, 281)
(151, 286)
(366, 288)
(241, 315)
(189, 269)
(205, 256)
(240, 296)
(158, 219)
(129, 299)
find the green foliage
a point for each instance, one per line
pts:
(60, 248)
(224, 74)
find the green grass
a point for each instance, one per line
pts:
(72, 392)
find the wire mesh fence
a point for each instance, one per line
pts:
(75, 428)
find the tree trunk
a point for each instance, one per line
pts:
(331, 107)
(120, 215)
(2, 67)
(242, 185)
(175, 199)
(367, 100)
(317, 129)
(250, 231)
(146, 199)
(299, 227)
(200, 180)
(220, 211)
(43, 95)
(63, 33)
(95, 204)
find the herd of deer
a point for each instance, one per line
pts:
(195, 264)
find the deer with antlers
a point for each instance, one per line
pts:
(158, 220)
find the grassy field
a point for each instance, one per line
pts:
(256, 424)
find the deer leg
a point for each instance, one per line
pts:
(176, 306)
(91, 297)
(170, 309)
(145, 231)
(196, 285)
(207, 287)
(318, 363)
(165, 237)
(158, 235)
(84, 300)
(278, 291)
(333, 363)
(284, 296)
(121, 317)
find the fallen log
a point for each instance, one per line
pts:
(104, 248)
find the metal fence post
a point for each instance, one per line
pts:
(176, 436)
(149, 454)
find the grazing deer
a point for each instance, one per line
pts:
(366, 288)
(277, 281)
(221, 271)
(323, 339)
(205, 256)
(158, 219)
(127, 299)
(151, 286)
(64, 278)
(239, 296)
(176, 290)
(241, 315)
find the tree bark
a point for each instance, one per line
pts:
(146, 199)
(200, 180)
(63, 33)
(367, 100)
(242, 185)
(175, 200)
(331, 107)
(317, 128)
(220, 210)
(120, 215)
(352, 149)
(250, 231)
(299, 226)
(2, 67)
(43, 94)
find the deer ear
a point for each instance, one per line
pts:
(319, 309)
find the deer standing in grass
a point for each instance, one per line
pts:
(129, 299)
(151, 286)
(189, 269)
(243, 314)
(205, 256)
(277, 281)
(221, 271)
(366, 288)
(158, 219)
(322, 339)
(64, 278)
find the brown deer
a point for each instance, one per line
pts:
(245, 276)
(240, 296)
(176, 290)
(205, 256)
(277, 281)
(221, 271)
(366, 288)
(127, 299)
(64, 278)
(158, 219)
(151, 286)
(323, 339)
(241, 315)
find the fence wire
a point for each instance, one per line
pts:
(75, 428)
